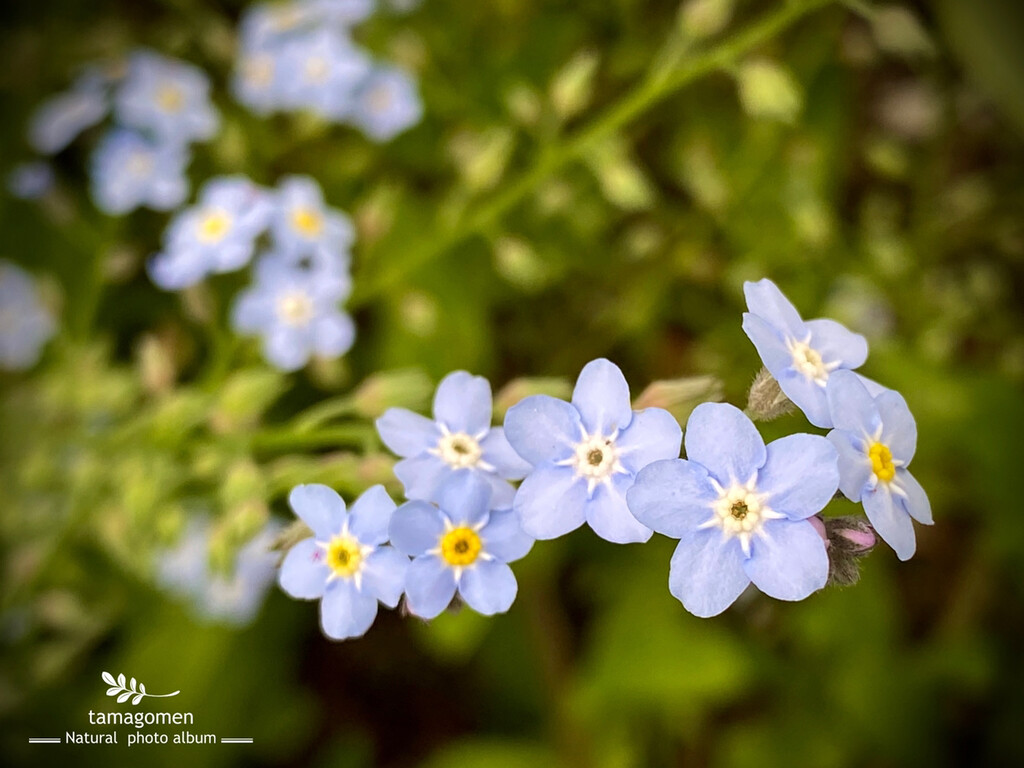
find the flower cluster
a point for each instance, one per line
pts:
(25, 323)
(158, 105)
(300, 56)
(300, 279)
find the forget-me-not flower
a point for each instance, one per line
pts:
(297, 312)
(387, 103)
(585, 456)
(218, 234)
(460, 439)
(302, 221)
(876, 438)
(740, 510)
(460, 544)
(129, 171)
(800, 355)
(167, 98)
(260, 80)
(323, 70)
(345, 563)
(25, 324)
(59, 119)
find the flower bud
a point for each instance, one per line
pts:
(517, 389)
(705, 18)
(768, 90)
(766, 400)
(408, 388)
(849, 539)
(680, 396)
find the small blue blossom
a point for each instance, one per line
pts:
(876, 437)
(59, 119)
(740, 510)
(232, 598)
(341, 13)
(216, 235)
(129, 171)
(585, 456)
(30, 181)
(460, 440)
(346, 563)
(460, 545)
(167, 98)
(387, 104)
(800, 355)
(260, 80)
(302, 221)
(25, 324)
(296, 311)
(323, 69)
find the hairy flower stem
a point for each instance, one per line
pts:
(659, 84)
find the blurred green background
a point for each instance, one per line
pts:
(591, 178)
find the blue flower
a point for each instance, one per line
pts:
(25, 324)
(800, 355)
(387, 103)
(459, 545)
(216, 235)
(323, 69)
(302, 222)
(876, 438)
(260, 79)
(167, 98)
(341, 13)
(346, 563)
(740, 510)
(460, 440)
(585, 456)
(129, 171)
(58, 120)
(296, 311)
(30, 181)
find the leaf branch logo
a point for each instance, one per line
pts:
(130, 690)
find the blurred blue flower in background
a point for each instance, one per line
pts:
(30, 181)
(302, 222)
(740, 510)
(25, 323)
(585, 456)
(800, 355)
(129, 171)
(460, 440)
(233, 598)
(167, 98)
(342, 13)
(387, 103)
(322, 70)
(346, 563)
(58, 120)
(218, 234)
(297, 312)
(459, 545)
(876, 438)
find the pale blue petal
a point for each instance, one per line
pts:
(465, 497)
(601, 396)
(416, 527)
(890, 520)
(834, 342)
(407, 433)
(653, 434)
(384, 573)
(504, 538)
(854, 465)
(542, 428)
(801, 475)
(609, 516)
(422, 476)
(765, 300)
(551, 502)
(319, 507)
(333, 334)
(370, 516)
(899, 430)
(916, 503)
(304, 573)
(286, 348)
(808, 395)
(873, 387)
(723, 440)
(345, 611)
(789, 562)
(251, 312)
(499, 453)
(502, 491)
(672, 497)
(463, 403)
(429, 586)
(488, 587)
(851, 406)
(706, 574)
(768, 342)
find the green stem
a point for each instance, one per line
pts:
(316, 415)
(287, 440)
(656, 86)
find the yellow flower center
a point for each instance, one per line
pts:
(307, 221)
(344, 555)
(317, 69)
(214, 225)
(259, 70)
(170, 98)
(295, 308)
(881, 462)
(461, 546)
(380, 100)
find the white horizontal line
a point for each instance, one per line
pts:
(44, 741)
(236, 741)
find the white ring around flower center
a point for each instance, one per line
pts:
(740, 511)
(459, 450)
(807, 360)
(295, 308)
(596, 458)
